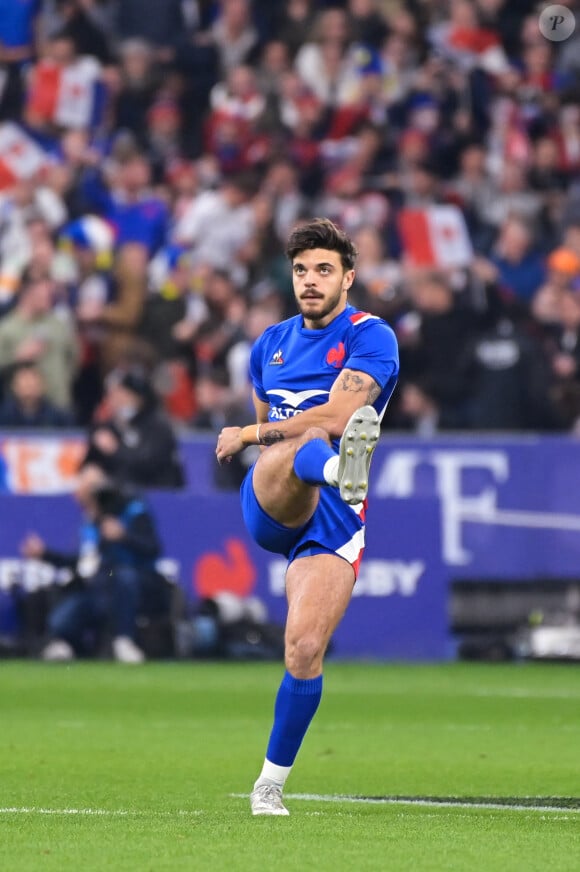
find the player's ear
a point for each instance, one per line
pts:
(347, 280)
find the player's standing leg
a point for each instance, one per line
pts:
(318, 587)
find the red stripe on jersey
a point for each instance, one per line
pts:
(361, 317)
(356, 563)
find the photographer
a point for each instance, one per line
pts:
(112, 573)
(136, 443)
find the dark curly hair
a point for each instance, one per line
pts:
(322, 233)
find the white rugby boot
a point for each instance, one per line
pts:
(357, 445)
(267, 799)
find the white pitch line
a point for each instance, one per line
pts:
(419, 801)
(95, 812)
(430, 803)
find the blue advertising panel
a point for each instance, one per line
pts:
(509, 507)
(502, 508)
(399, 609)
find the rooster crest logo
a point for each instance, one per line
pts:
(277, 358)
(335, 356)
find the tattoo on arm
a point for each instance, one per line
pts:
(352, 382)
(373, 393)
(272, 436)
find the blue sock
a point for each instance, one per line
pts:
(296, 705)
(310, 459)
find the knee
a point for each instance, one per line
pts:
(303, 655)
(314, 433)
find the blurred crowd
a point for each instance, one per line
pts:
(154, 155)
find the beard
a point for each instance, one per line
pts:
(318, 309)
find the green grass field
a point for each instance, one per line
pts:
(104, 767)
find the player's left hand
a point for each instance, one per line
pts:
(229, 443)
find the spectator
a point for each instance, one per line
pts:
(295, 23)
(135, 445)
(79, 21)
(564, 268)
(223, 328)
(282, 187)
(509, 381)
(509, 196)
(148, 114)
(139, 82)
(562, 343)
(173, 310)
(468, 187)
(36, 331)
(275, 61)
(433, 336)
(29, 214)
(112, 574)
(233, 132)
(138, 214)
(218, 223)
(83, 267)
(326, 64)
(564, 261)
(520, 266)
(234, 34)
(65, 90)
(369, 26)
(172, 314)
(416, 410)
(380, 275)
(26, 404)
(161, 23)
(18, 23)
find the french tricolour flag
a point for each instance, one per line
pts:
(71, 96)
(435, 237)
(20, 156)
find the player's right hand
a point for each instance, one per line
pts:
(229, 443)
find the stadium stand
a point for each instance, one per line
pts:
(154, 154)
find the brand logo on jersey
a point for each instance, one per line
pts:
(277, 358)
(291, 401)
(335, 356)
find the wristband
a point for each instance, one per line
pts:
(250, 435)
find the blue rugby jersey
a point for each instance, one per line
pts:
(293, 368)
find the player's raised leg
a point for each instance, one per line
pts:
(349, 470)
(318, 588)
(283, 493)
(286, 476)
